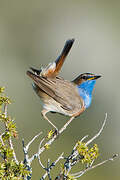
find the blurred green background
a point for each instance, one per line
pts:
(32, 33)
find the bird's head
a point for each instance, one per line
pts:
(89, 77)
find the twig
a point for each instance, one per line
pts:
(48, 169)
(28, 160)
(14, 155)
(74, 158)
(41, 143)
(2, 139)
(10, 139)
(80, 141)
(84, 138)
(94, 137)
(100, 131)
(39, 155)
(52, 165)
(79, 174)
(33, 139)
(5, 110)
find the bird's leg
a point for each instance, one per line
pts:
(44, 112)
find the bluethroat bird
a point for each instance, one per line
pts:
(70, 98)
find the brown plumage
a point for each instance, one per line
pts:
(48, 87)
(57, 94)
(63, 92)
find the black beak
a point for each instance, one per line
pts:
(97, 76)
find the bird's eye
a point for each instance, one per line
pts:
(84, 77)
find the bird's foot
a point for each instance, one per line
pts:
(56, 133)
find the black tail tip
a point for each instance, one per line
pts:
(70, 41)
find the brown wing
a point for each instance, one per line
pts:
(60, 90)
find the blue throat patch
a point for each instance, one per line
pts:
(85, 91)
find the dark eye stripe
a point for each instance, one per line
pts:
(85, 77)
